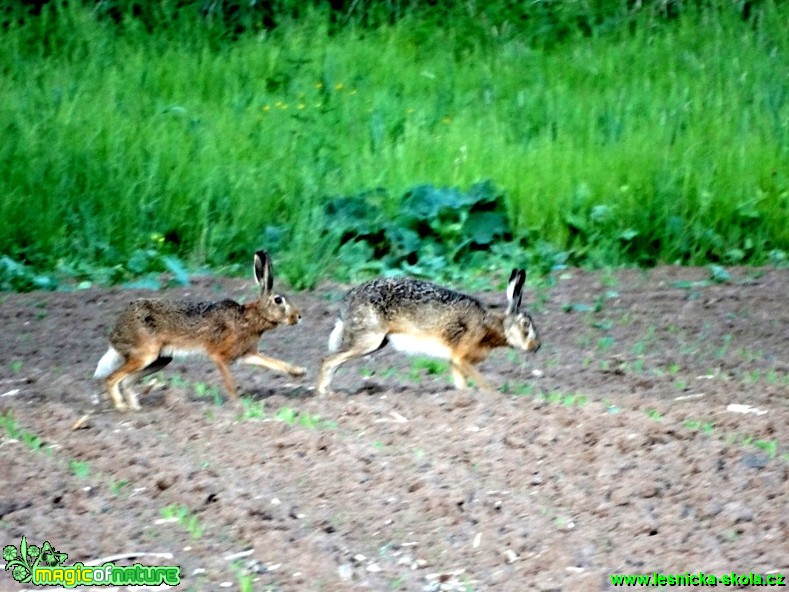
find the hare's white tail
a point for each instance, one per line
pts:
(108, 363)
(335, 339)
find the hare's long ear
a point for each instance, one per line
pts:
(263, 273)
(515, 290)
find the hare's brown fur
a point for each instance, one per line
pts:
(149, 332)
(425, 318)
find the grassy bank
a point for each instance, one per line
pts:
(662, 144)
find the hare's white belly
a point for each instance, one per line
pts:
(419, 345)
(181, 353)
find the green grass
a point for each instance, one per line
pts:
(706, 427)
(11, 427)
(80, 469)
(636, 366)
(518, 389)
(566, 399)
(422, 367)
(293, 417)
(185, 518)
(252, 409)
(203, 391)
(118, 486)
(664, 144)
(554, 396)
(770, 447)
(606, 342)
(245, 582)
(366, 372)
(724, 349)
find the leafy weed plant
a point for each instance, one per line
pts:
(705, 427)
(30, 439)
(185, 518)
(80, 469)
(770, 447)
(252, 410)
(292, 417)
(566, 399)
(517, 390)
(203, 391)
(117, 487)
(421, 367)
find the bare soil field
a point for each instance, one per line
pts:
(649, 434)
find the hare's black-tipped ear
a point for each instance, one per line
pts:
(263, 274)
(515, 290)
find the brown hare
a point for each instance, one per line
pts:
(150, 332)
(419, 317)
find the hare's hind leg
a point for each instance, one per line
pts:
(133, 364)
(126, 384)
(360, 346)
(258, 359)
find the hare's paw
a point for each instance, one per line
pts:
(327, 392)
(297, 371)
(131, 399)
(121, 406)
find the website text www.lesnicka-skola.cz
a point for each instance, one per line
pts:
(699, 579)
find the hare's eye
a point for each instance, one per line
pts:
(278, 300)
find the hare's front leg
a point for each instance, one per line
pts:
(258, 359)
(462, 371)
(227, 377)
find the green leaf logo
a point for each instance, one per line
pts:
(23, 561)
